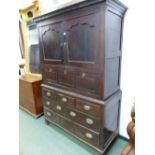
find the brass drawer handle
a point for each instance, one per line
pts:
(65, 72)
(58, 107)
(83, 75)
(48, 94)
(89, 121)
(48, 114)
(48, 103)
(64, 99)
(73, 114)
(50, 70)
(86, 107)
(89, 135)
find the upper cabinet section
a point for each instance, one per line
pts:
(71, 42)
(80, 47)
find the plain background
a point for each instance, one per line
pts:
(138, 74)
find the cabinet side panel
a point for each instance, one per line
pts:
(111, 117)
(112, 52)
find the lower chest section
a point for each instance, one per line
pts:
(83, 117)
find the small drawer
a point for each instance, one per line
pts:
(49, 94)
(50, 73)
(83, 119)
(66, 77)
(88, 136)
(89, 108)
(87, 81)
(68, 101)
(53, 105)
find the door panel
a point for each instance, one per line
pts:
(51, 42)
(81, 39)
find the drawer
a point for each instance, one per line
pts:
(66, 77)
(50, 73)
(89, 108)
(47, 93)
(87, 81)
(55, 106)
(87, 135)
(68, 101)
(82, 119)
(83, 133)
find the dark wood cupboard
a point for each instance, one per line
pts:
(80, 48)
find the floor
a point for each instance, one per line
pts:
(36, 138)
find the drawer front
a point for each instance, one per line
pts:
(64, 99)
(50, 73)
(66, 77)
(88, 136)
(88, 108)
(85, 120)
(82, 133)
(60, 120)
(87, 81)
(49, 94)
(55, 106)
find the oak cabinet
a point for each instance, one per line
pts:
(80, 48)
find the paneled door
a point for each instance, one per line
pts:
(80, 40)
(51, 43)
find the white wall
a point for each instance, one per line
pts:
(128, 67)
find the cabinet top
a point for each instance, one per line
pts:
(78, 5)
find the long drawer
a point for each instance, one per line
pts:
(83, 119)
(80, 79)
(83, 133)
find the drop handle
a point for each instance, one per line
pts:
(48, 114)
(89, 121)
(73, 114)
(48, 94)
(58, 108)
(64, 99)
(65, 72)
(50, 70)
(86, 107)
(48, 103)
(89, 135)
(83, 75)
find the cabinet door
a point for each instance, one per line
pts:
(81, 45)
(51, 43)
